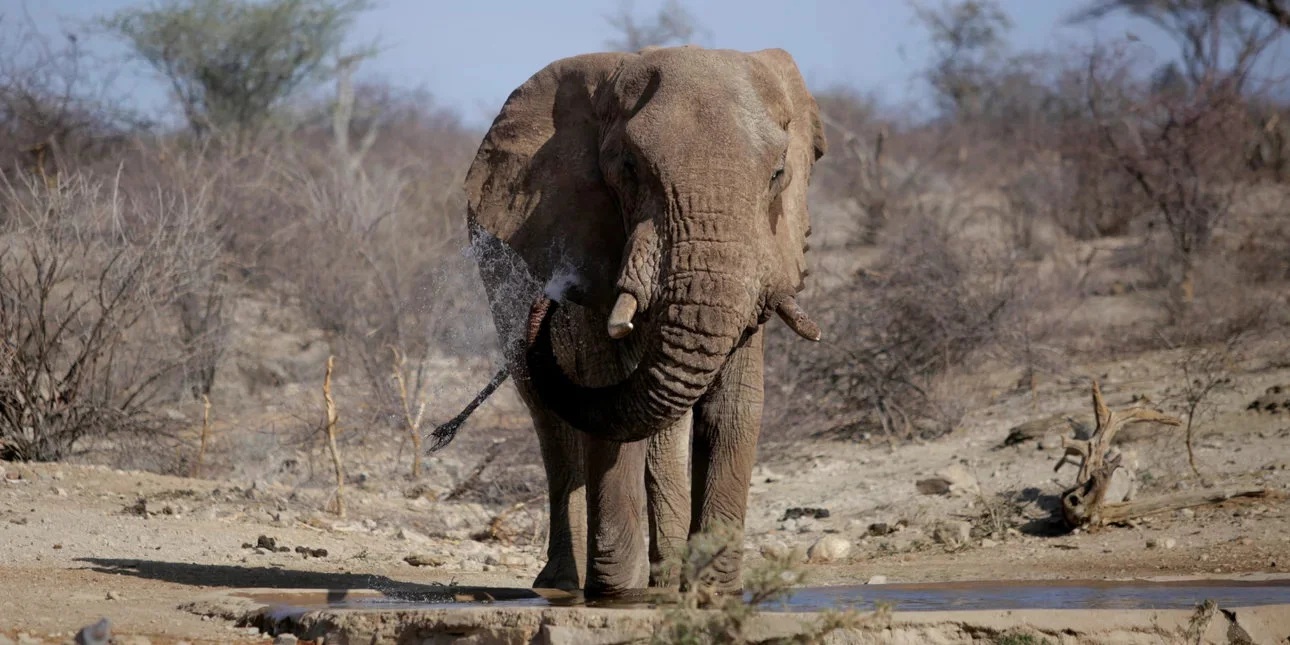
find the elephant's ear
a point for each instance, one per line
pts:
(792, 222)
(536, 183)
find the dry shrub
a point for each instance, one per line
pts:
(90, 289)
(927, 304)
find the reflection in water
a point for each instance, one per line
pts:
(1044, 595)
(902, 597)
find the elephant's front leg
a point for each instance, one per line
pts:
(667, 488)
(615, 509)
(727, 422)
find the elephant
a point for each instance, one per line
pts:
(637, 219)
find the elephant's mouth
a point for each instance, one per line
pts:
(621, 323)
(643, 404)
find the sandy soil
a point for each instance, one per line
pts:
(81, 542)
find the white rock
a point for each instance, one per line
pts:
(877, 580)
(1170, 543)
(962, 481)
(829, 548)
(1122, 487)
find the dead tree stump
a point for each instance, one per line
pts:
(1083, 504)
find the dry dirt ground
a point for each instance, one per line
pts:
(81, 542)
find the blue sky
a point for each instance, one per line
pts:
(471, 53)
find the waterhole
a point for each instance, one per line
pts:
(949, 596)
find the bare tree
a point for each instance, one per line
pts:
(1274, 9)
(1177, 150)
(672, 25)
(56, 104)
(1220, 41)
(967, 37)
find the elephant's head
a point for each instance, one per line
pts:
(668, 188)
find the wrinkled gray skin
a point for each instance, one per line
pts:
(677, 176)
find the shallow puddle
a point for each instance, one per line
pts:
(983, 595)
(1083, 594)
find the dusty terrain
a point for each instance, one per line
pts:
(81, 542)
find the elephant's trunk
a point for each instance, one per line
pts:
(704, 302)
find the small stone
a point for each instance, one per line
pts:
(798, 512)
(877, 580)
(267, 543)
(57, 475)
(1187, 513)
(932, 486)
(286, 639)
(829, 548)
(879, 529)
(425, 560)
(1170, 543)
(100, 633)
(988, 543)
(61, 492)
(113, 595)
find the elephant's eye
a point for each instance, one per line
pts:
(777, 177)
(629, 164)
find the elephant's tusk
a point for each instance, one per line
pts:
(797, 319)
(620, 319)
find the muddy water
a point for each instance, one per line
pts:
(985, 595)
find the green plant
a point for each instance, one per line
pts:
(232, 64)
(698, 615)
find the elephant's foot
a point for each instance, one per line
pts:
(556, 575)
(614, 581)
(610, 589)
(723, 576)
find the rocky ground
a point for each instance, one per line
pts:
(80, 542)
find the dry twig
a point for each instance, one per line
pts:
(413, 421)
(206, 426)
(332, 418)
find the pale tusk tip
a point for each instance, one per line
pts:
(620, 330)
